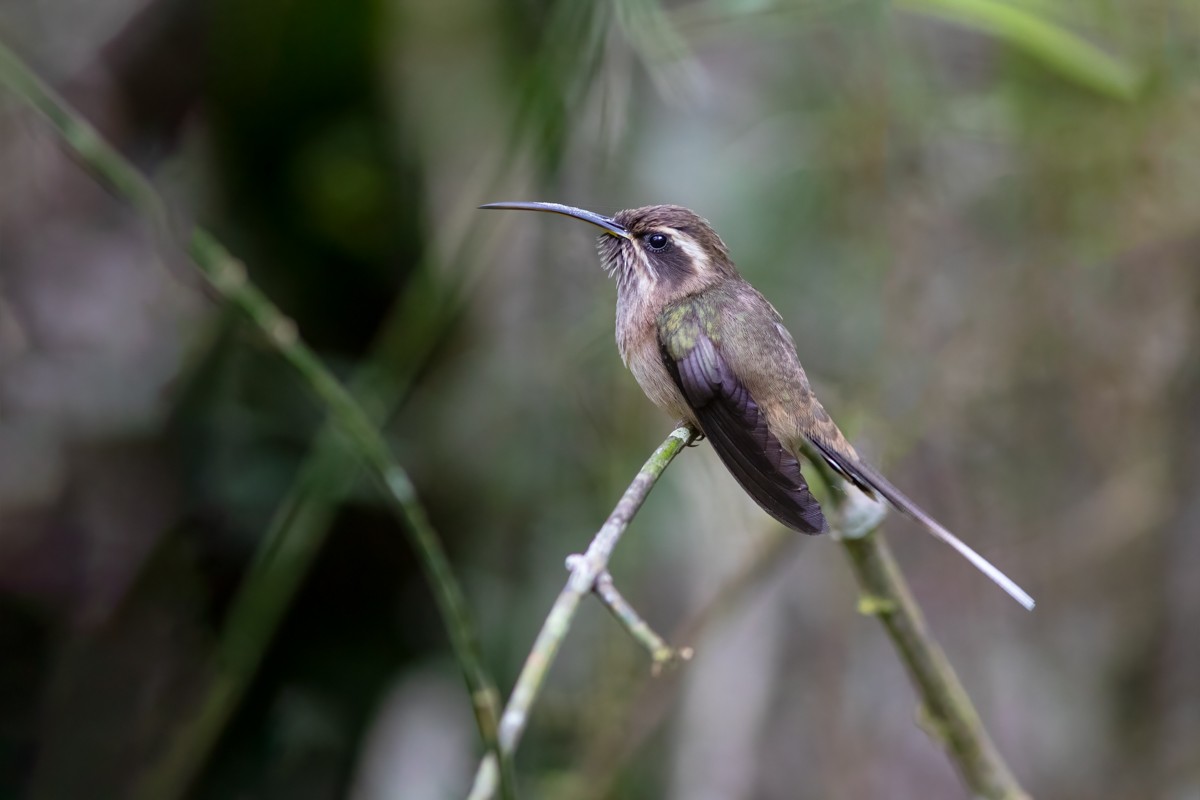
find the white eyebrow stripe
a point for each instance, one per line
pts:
(691, 248)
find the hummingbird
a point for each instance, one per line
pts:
(709, 349)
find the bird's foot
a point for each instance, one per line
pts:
(697, 436)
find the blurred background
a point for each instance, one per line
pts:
(980, 219)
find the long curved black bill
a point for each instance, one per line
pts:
(600, 221)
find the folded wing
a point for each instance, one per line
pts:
(737, 429)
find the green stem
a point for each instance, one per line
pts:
(661, 652)
(585, 570)
(947, 709)
(294, 537)
(948, 714)
(228, 277)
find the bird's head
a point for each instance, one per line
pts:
(660, 252)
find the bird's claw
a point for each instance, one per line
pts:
(697, 436)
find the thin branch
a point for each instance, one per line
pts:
(948, 714)
(646, 708)
(284, 554)
(228, 276)
(585, 569)
(662, 654)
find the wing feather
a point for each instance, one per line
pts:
(737, 428)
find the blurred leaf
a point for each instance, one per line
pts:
(660, 47)
(1059, 49)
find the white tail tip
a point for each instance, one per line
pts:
(983, 565)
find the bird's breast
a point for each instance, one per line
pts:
(637, 341)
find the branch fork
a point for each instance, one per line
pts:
(947, 710)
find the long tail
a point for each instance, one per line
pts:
(868, 478)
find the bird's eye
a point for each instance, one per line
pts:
(657, 242)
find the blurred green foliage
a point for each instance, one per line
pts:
(980, 219)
